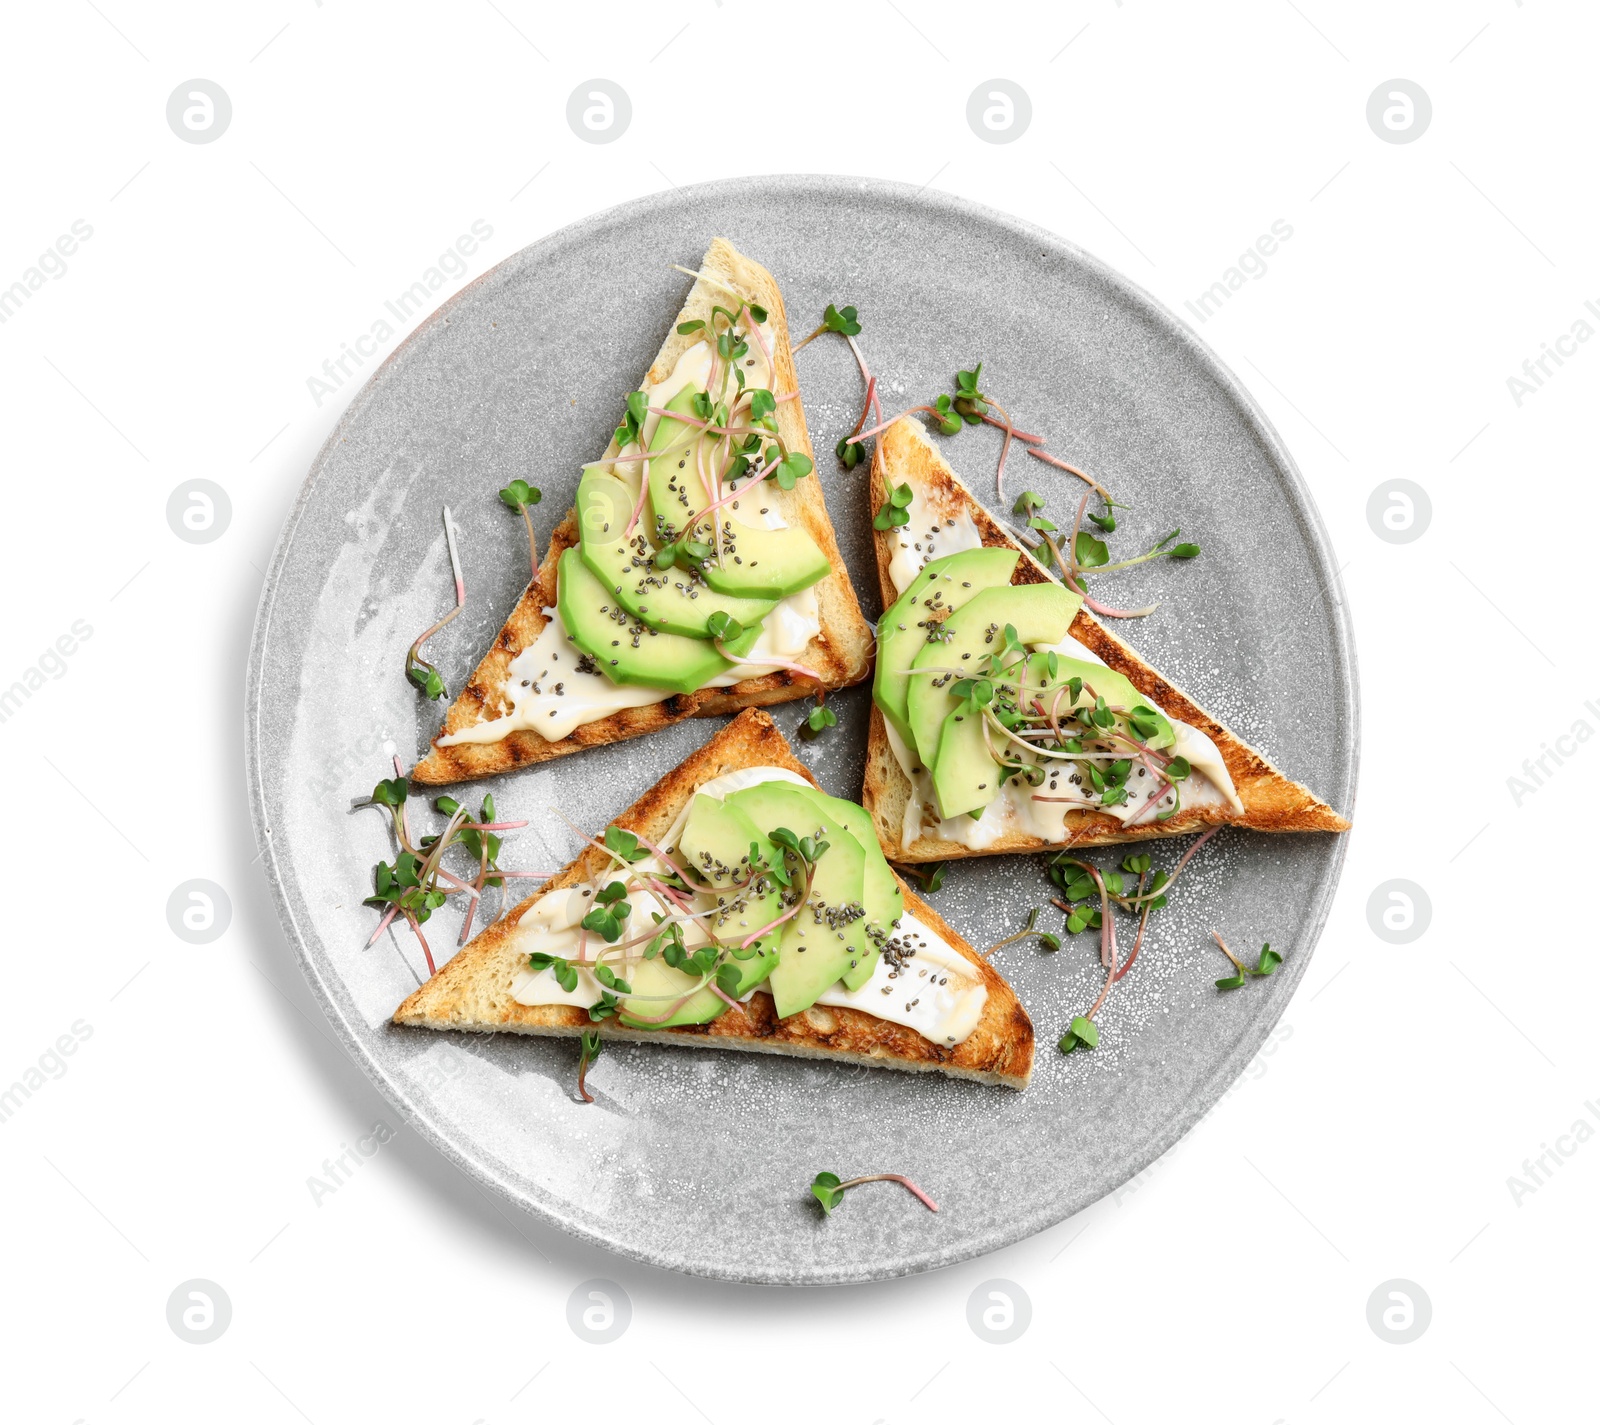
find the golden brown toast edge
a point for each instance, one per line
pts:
(1272, 801)
(473, 991)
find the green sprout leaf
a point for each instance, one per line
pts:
(794, 466)
(1083, 1034)
(427, 680)
(1183, 551)
(931, 875)
(977, 691)
(519, 494)
(817, 722)
(825, 1186)
(392, 793)
(894, 513)
(1269, 961)
(843, 320)
(625, 844)
(724, 628)
(949, 422)
(1089, 551)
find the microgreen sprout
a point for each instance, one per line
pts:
(829, 1190)
(421, 673)
(1266, 963)
(930, 876)
(589, 1048)
(817, 722)
(416, 883)
(610, 912)
(1083, 1032)
(896, 509)
(1050, 942)
(1091, 898)
(793, 466)
(624, 844)
(519, 497)
(843, 320)
(970, 403)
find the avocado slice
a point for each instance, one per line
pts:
(717, 843)
(881, 896)
(1040, 613)
(812, 955)
(670, 599)
(676, 491)
(945, 584)
(627, 651)
(1107, 683)
(755, 563)
(764, 563)
(663, 984)
(965, 776)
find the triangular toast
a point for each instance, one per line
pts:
(841, 653)
(1272, 801)
(473, 991)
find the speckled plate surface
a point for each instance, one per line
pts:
(698, 1160)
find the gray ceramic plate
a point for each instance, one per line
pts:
(693, 1159)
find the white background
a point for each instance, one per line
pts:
(1406, 1084)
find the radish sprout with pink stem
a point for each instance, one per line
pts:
(417, 883)
(829, 1190)
(419, 671)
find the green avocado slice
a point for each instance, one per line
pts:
(944, 585)
(755, 562)
(655, 984)
(716, 840)
(1040, 613)
(718, 843)
(1106, 683)
(881, 897)
(625, 649)
(812, 954)
(672, 599)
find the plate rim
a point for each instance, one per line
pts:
(1227, 1068)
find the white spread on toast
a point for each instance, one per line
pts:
(1014, 810)
(550, 662)
(920, 979)
(932, 532)
(922, 982)
(786, 633)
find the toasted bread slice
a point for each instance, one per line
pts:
(473, 991)
(841, 652)
(1272, 801)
